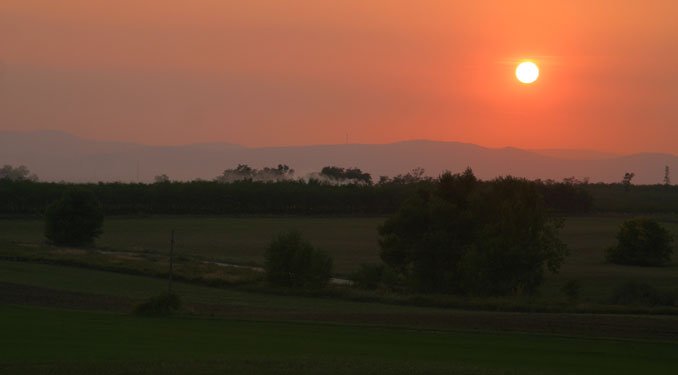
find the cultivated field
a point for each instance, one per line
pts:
(89, 342)
(59, 319)
(53, 323)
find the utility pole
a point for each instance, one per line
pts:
(171, 264)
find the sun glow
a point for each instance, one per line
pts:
(527, 72)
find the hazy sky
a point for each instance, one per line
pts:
(289, 72)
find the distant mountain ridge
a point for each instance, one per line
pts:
(58, 156)
(576, 154)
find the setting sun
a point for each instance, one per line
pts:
(527, 72)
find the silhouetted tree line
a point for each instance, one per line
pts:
(244, 172)
(569, 196)
(211, 197)
(290, 197)
(338, 174)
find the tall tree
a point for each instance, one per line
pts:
(75, 219)
(626, 181)
(473, 237)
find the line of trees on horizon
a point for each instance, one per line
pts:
(333, 190)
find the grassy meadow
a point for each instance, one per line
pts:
(242, 240)
(58, 319)
(351, 241)
(82, 288)
(93, 341)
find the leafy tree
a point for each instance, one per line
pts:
(626, 181)
(75, 219)
(642, 242)
(20, 173)
(161, 179)
(473, 237)
(292, 261)
(515, 241)
(347, 174)
(244, 172)
(414, 176)
(426, 239)
(281, 171)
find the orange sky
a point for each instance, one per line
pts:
(289, 72)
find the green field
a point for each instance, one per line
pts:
(351, 241)
(242, 240)
(230, 330)
(139, 287)
(69, 320)
(91, 341)
(79, 288)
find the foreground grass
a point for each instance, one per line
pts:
(84, 342)
(239, 366)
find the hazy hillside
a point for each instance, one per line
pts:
(576, 154)
(56, 156)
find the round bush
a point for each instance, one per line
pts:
(74, 220)
(292, 261)
(163, 304)
(642, 242)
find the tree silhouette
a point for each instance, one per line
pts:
(627, 179)
(464, 235)
(20, 173)
(346, 174)
(642, 242)
(244, 172)
(293, 262)
(75, 219)
(161, 179)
